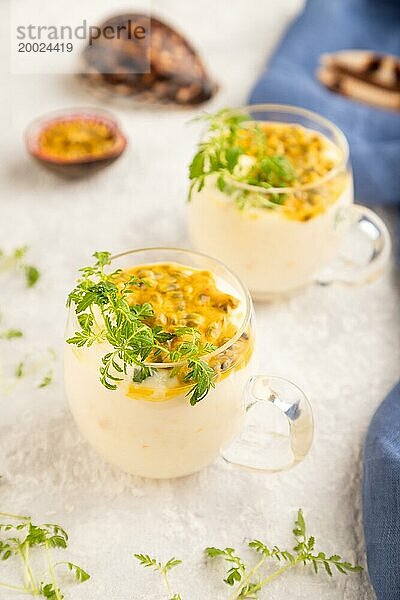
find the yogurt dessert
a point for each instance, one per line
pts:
(159, 360)
(271, 195)
(156, 359)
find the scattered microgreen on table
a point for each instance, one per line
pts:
(147, 561)
(19, 538)
(219, 155)
(16, 261)
(11, 334)
(36, 367)
(248, 581)
(105, 316)
(47, 379)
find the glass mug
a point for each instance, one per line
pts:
(277, 256)
(152, 431)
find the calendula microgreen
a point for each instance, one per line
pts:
(11, 334)
(47, 379)
(147, 561)
(105, 316)
(31, 275)
(219, 154)
(248, 581)
(19, 537)
(38, 365)
(16, 260)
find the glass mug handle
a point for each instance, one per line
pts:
(369, 230)
(278, 429)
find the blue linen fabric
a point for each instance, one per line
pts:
(374, 134)
(327, 26)
(381, 498)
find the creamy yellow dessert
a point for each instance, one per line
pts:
(166, 403)
(269, 199)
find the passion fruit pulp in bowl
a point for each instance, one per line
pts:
(76, 142)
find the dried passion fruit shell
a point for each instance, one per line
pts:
(75, 142)
(176, 74)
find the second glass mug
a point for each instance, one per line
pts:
(254, 421)
(277, 256)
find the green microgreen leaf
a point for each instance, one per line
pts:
(232, 157)
(47, 379)
(196, 168)
(237, 567)
(20, 369)
(80, 574)
(31, 275)
(11, 334)
(48, 590)
(277, 170)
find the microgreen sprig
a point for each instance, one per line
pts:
(148, 562)
(248, 580)
(16, 260)
(105, 316)
(11, 334)
(220, 155)
(17, 540)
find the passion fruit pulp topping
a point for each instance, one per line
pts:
(77, 139)
(311, 154)
(184, 297)
(181, 296)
